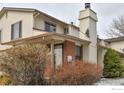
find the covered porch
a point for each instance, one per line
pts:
(63, 48)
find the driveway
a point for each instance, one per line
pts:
(109, 81)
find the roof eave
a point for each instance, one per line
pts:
(13, 42)
(4, 9)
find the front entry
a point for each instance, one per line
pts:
(58, 55)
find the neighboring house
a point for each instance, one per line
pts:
(115, 43)
(67, 42)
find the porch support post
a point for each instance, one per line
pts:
(52, 56)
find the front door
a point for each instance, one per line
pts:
(58, 55)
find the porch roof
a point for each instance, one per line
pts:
(46, 38)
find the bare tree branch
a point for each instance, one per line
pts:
(116, 28)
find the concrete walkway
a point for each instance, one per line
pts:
(109, 81)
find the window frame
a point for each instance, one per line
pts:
(66, 30)
(78, 57)
(20, 30)
(50, 25)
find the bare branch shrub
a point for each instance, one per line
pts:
(25, 64)
(77, 73)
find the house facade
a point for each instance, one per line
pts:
(67, 42)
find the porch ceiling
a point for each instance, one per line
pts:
(46, 38)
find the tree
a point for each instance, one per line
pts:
(25, 64)
(116, 28)
(112, 64)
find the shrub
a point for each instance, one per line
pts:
(112, 64)
(122, 74)
(77, 73)
(5, 80)
(25, 64)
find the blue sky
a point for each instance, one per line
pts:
(69, 12)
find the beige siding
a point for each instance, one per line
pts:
(119, 45)
(3, 24)
(73, 31)
(12, 17)
(100, 56)
(39, 23)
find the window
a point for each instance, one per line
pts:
(78, 52)
(66, 31)
(50, 27)
(87, 33)
(0, 35)
(16, 30)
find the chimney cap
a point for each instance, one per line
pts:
(87, 5)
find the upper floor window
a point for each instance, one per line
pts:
(66, 31)
(16, 30)
(78, 52)
(50, 27)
